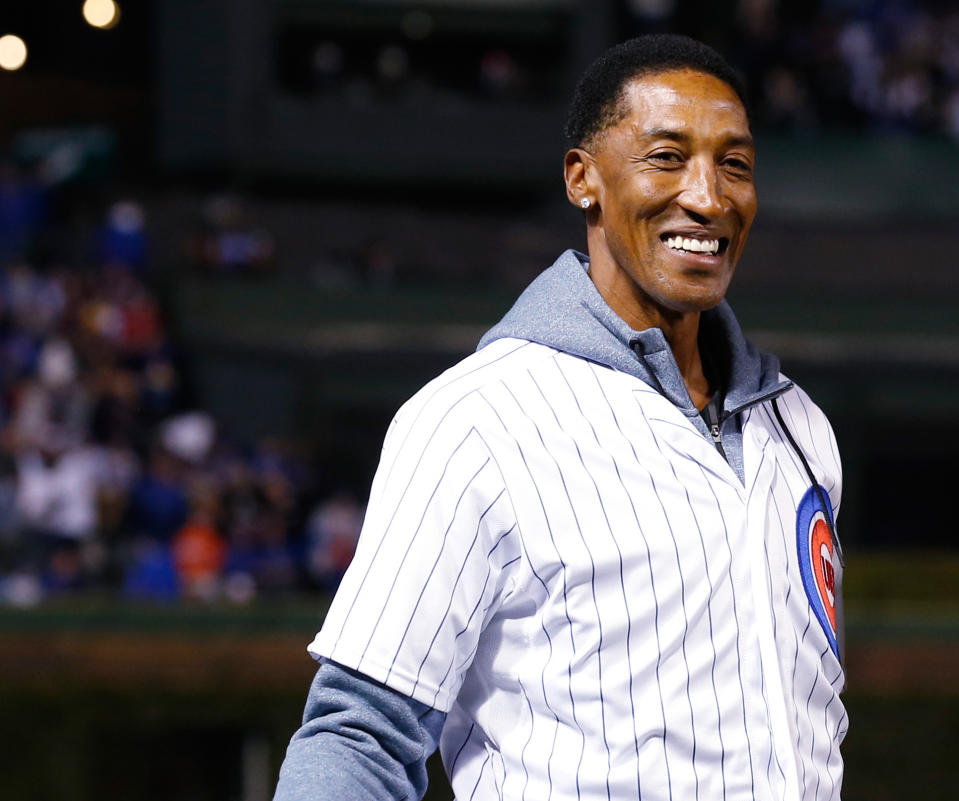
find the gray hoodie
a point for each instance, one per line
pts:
(563, 309)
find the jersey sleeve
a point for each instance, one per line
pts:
(432, 560)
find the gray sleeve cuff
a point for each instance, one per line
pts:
(359, 739)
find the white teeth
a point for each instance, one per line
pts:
(693, 245)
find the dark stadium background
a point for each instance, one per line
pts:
(248, 230)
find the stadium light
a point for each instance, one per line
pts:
(13, 52)
(103, 14)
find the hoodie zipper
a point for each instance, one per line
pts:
(715, 421)
(712, 419)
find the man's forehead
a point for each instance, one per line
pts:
(681, 101)
(670, 126)
(682, 86)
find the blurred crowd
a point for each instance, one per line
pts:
(110, 480)
(113, 481)
(855, 64)
(415, 61)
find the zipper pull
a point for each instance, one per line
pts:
(713, 421)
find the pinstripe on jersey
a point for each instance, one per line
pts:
(556, 557)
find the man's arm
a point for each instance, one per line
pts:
(359, 739)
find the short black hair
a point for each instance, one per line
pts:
(598, 101)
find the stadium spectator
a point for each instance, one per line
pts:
(199, 549)
(227, 242)
(333, 529)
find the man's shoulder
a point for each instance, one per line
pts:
(809, 424)
(497, 363)
(470, 393)
(799, 401)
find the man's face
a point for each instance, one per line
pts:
(674, 197)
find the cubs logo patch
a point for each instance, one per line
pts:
(818, 561)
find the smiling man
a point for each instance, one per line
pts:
(600, 560)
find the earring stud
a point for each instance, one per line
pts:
(585, 202)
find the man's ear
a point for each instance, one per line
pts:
(579, 172)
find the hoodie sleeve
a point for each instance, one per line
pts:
(359, 739)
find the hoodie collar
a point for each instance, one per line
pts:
(563, 309)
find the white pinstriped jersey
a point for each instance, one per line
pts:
(557, 558)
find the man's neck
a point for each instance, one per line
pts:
(681, 329)
(684, 342)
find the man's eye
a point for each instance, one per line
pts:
(740, 165)
(665, 158)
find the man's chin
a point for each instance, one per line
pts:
(699, 299)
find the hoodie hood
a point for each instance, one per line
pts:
(563, 309)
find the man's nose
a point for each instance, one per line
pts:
(701, 193)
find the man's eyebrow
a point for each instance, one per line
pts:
(665, 133)
(679, 136)
(740, 141)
